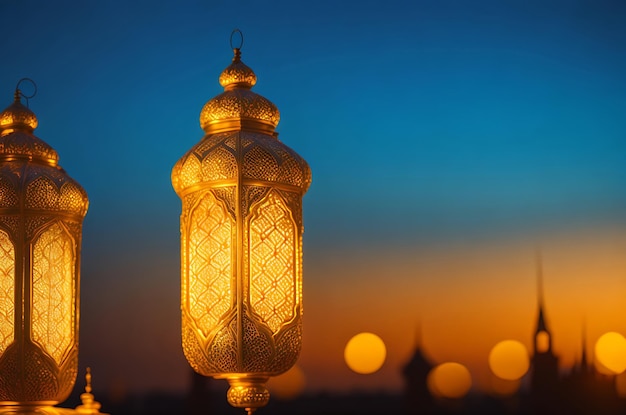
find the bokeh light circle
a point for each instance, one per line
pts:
(289, 385)
(365, 353)
(611, 352)
(449, 380)
(509, 360)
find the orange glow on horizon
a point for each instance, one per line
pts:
(502, 387)
(289, 385)
(449, 380)
(474, 295)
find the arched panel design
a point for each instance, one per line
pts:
(273, 273)
(53, 292)
(209, 278)
(7, 291)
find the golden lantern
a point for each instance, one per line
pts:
(241, 242)
(41, 214)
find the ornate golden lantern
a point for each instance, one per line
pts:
(41, 214)
(241, 242)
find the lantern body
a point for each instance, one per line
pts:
(241, 242)
(41, 214)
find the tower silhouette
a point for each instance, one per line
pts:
(544, 380)
(415, 373)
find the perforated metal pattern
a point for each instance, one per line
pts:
(23, 143)
(7, 291)
(8, 195)
(18, 115)
(47, 189)
(239, 104)
(53, 292)
(210, 269)
(288, 346)
(273, 277)
(238, 73)
(223, 350)
(264, 158)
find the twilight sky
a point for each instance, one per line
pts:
(446, 138)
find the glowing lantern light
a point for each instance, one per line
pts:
(509, 360)
(41, 214)
(241, 242)
(365, 353)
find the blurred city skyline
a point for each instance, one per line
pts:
(447, 140)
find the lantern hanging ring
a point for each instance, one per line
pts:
(18, 91)
(232, 34)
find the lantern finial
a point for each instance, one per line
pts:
(17, 116)
(239, 108)
(237, 74)
(89, 404)
(236, 50)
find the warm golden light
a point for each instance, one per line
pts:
(41, 215)
(289, 385)
(7, 291)
(509, 360)
(365, 353)
(449, 380)
(610, 351)
(53, 292)
(543, 341)
(241, 242)
(503, 387)
(603, 370)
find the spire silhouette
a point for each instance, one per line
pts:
(542, 326)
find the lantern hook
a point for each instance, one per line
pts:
(19, 93)
(232, 34)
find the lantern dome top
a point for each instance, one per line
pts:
(17, 123)
(30, 176)
(17, 116)
(238, 108)
(237, 74)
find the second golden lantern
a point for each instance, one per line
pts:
(241, 242)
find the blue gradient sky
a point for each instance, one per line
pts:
(427, 124)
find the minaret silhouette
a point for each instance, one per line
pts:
(584, 364)
(543, 337)
(415, 373)
(544, 382)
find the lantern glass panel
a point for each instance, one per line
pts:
(210, 269)
(273, 268)
(7, 291)
(53, 303)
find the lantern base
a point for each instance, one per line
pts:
(41, 410)
(247, 391)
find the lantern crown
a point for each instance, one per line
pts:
(238, 108)
(17, 116)
(17, 123)
(237, 74)
(43, 183)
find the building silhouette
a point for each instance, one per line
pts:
(415, 372)
(544, 372)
